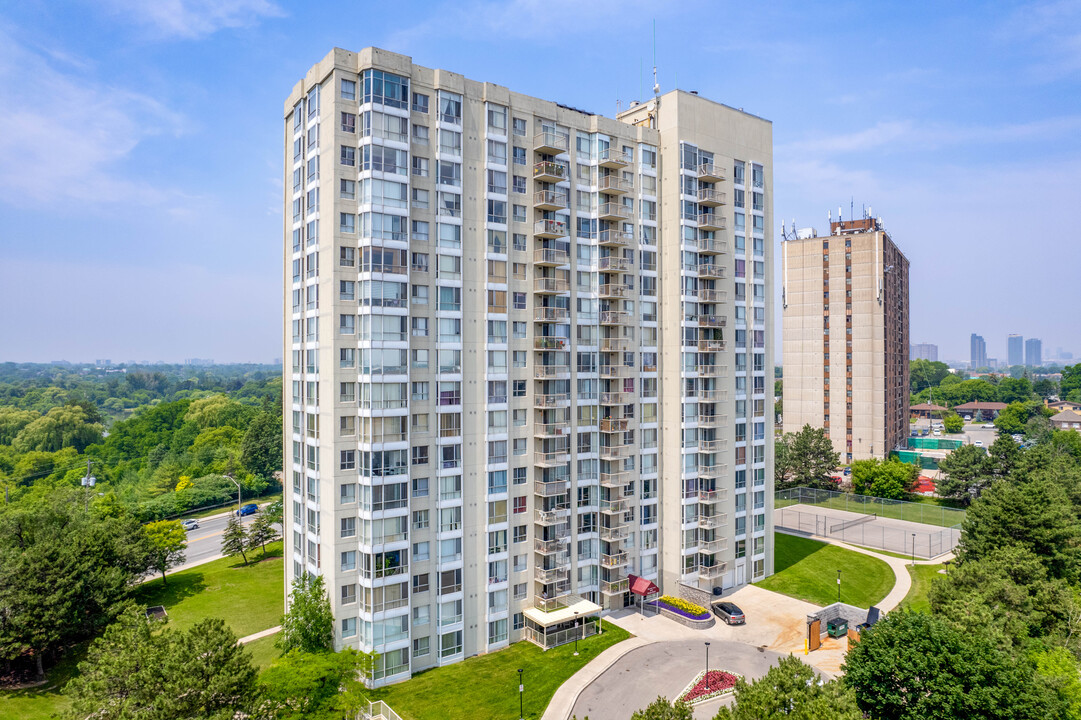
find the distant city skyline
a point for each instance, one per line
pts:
(143, 183)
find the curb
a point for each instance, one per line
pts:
(627, 646)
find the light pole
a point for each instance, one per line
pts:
(707, 666)
(521, 688)
(913, 549)
(238, 501)
(576, 633)
(838, 586)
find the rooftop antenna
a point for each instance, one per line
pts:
(656, 85)
(852, 207)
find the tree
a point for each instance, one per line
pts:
(261, 531)
(927, 374)
(912, 666)
(1036, 515)
(314, 686)
(1014, 419)
(308, 623)
(661, 709)
(1014, 390)
(234, 540)
(890, 479)
(261, 449)
(1071, 380)
(1045, 388)
(275, 512)
(790, 691)
(133, 672)
(12, 421)
(809, 459)
(966, 473)
(1003, 456)
(167, 542)
(953, 423)
(61, 427)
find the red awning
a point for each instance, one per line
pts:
(643, 586)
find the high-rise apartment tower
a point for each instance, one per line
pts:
(977, 351)
(1034, 352)
(527, 355)
(1015, 350)
(845, 317)
(923, 351)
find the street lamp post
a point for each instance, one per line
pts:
(238, 501)
(913, 548)
(707, 666)
(576, 633)
(838, 586)
(521, 688)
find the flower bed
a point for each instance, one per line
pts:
(720, 683)
(682, 607)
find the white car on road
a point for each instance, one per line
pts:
(189, 524)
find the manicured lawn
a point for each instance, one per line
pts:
(248, 599)
(922, 577)
(928, 513)
(807, 569)
(487, 686)
(263, 651)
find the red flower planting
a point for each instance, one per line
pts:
(716, 682)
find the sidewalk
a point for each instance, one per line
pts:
(561, 704)
(261, 634)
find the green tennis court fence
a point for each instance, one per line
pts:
(925, 513)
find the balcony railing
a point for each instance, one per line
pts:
(616, 452)
(613, 211)
(710, 197)
(611, 157)
(551, 285)
(551, 256)
(549, 343)
(712, 522)
(614, 561)
(614, 290)
(713, 546)
(547, 575)
(614, 587)
(551, 489)
(712, 446)
(549, 547)
(548, 171)
(711, 345)
(609, 426)
(549, 228)
(710, 270)
(714, 570)
(551, 400)
(550, 314)
(714, 471)
(613, 184)
(614, 344)
(712, 246)
(615, 480)
(614, 507)
(550, 200)
(544, 372)
(553, 429)
(710, 172)
(615, 238)
(616, 371)
(616, 398)
(710, 221)
(551, 142)
(614, 534)
(615, 264)
(710, 295)
(551, 517)
(712, 321)
(712, 395)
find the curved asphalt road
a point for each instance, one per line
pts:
(204, 542)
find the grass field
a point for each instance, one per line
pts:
(486, 686)
(922, 578)
(927, 513)
(807, 570)
(249, 599)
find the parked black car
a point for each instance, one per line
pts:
(730, 613)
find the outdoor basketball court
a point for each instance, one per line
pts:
(869, 530)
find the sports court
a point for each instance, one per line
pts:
(868, 529)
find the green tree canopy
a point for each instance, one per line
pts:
(1015, 390)
(927, 373)
(61, 427)
(234, 539)
(261, 450)
(308, 624)
(807, 458)
(890, 479)
(661, 709)
(953, 423)
(314, 686)
(966, 473)
(167, 542)
(12, 421)
(790, 691)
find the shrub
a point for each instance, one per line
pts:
(683, 607)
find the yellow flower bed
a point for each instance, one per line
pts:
(688, 607)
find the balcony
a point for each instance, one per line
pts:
(547, 372)
(611, 157)
(554, 488)
(710, 172)
(548, 171)
(614, 534)
(551, 314)
(551, 517)
(713, 546)
(712, 496)
(710, 270)
(615, 264)
(615, 344)
(712, 321)
(710, 197)
(549, 575)
(711, 420)
(710, 221)
(714, 471)
(712, 395)
(550, 200)
(614, 561)
(550, 142)
(551, 430)
(715, 570)
(615, 238)
(616, 371)
(712, 295)
(616, 452)
(616, 398)
(551, 256)
(552, 459)
(614, 507)
(615, 587)
(711, 345)
(615, 185)
(613, 211)
(549, 343)
(611, 426)
(614, 481)
(712, 246)
(549, 228)
(615, 317)
(614, 290)
(551, 400)
(712, 522)
(551, 285)
(549, 547)
(712, 446)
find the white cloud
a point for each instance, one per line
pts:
(192, 19)
(65, 136)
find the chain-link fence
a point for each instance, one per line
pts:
(924, 513)
(867, 530)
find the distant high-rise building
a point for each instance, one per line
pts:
(1015, 350)
(846, 337)
(505, 319)
(923, 351)
(978, 352)
(1034, 352)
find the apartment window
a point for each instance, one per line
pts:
(420, 202)
(519, 505)
(420, 583)
(348, 527)
(519, 156)
(349, 90)
(520, 475)
(420, 103)
(348, 460)
(420, 262)
(420, 166)
(420, 487)
(519, 184)
(420, 294)
(420, 134)
(421, 645)
(349, 156)
(349, 122)
(420, 522)
(420, 455)
(349, 594)
(519, 127)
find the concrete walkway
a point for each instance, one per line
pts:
(261, 634)
(559, 708)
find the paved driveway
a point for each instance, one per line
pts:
(665, 668)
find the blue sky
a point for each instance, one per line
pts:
(140, 146)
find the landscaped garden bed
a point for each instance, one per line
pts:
(702, 688)
(682, 607)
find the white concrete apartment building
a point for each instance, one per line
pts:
(846, 339)
(526, 355)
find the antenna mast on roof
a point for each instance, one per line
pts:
(656, 85)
